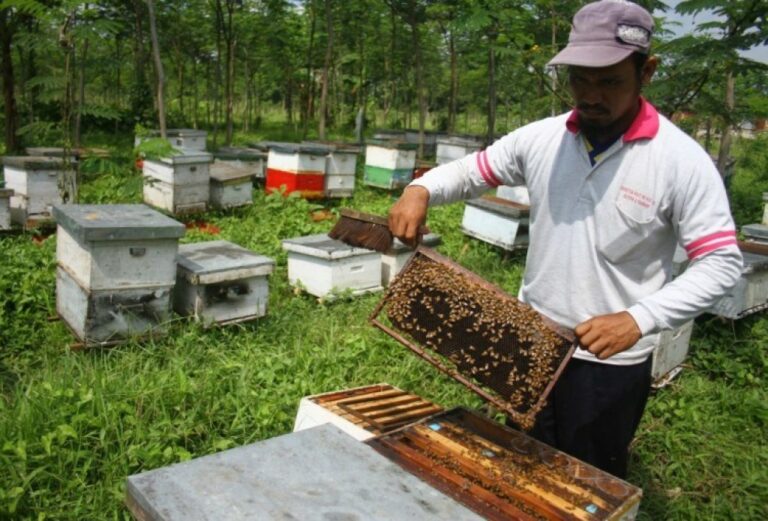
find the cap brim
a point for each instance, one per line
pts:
(590, 55)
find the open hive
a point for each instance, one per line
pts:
(499, 347)
(501, 473)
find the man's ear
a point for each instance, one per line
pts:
(649, 68)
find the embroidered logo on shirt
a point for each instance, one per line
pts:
(633, 196)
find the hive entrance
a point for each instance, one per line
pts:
(494, 344)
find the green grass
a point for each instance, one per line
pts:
(74, 425)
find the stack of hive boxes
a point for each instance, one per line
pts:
(296, 168)
(34, 181)
(340, 168)
(455, 147)
(179, 184)
(389, 164)
(250, 158)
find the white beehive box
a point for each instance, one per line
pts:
(670, 354)
(430, 140)
(755, 232)
(340, 168)
(231, 186)
(185, 138)
(187, 169)
(252, 159)
(34, 181)
(517, 194)
(393, 260)
(116, 269)
(55, 152)
(323, 266)
(176, 199)
(389, 164)
(750, 294)
(221, 283)
(296, 158)
(497, 221)
(5, 208)
(363, 412)
(455, 147)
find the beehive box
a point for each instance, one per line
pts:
(323, 266)
(190, 168)
(497, 221)
(315, 474)
(670, 354)
(765, 209)
(340, 168)
(389, 164)
(231, 186)
(451, 148)
(5, 207)
(116, 269)
(430, 140)
(296, 168)
(221, 283)
(250, 158)
(177, 199)
(755, 233)
(74, 154)
(497, 346)
(389, 135)
(34, 181)
(750, 294)
(393, 260)
(503, 474)
(363, 412)
(422, 167)
(184, 138)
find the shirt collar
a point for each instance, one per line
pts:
(644, 126)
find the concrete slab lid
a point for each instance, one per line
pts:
(323, 247)
(755, 230)
(317, 473)
(391, 143)
(218, 257)
(223, 172)
(239, 153)
(185, 156)
(431, 240)
(105, 222)
(499, 206)
(34, 162)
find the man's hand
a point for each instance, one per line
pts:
(606, 335)
(408, 213)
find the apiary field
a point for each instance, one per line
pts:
(73, 424)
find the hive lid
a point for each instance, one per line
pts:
(336, 146)
(34, 162)
(462, 141)
(392, 143)
(759, 231)
(317, 473)
(105, 222)
(299, 148)
(219, 261)
(222, 172)
(500, 206)
(185, 132)
(323, 247)
(52, 151)
(431, 240)
(186, 157)
(239, 153)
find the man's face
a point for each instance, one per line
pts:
(605, 96)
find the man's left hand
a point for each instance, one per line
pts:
(606, 335)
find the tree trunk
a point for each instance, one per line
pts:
(9, 97)
(419, 72)
(491, 91)
(553, 72)
(230, 77)
(326, 71)
(158, 68)
(726, 136)
(80, 94)
(306, 110)
(453, 103)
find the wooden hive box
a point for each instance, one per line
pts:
(363, 412)
(5, 208)
(34, 181)
(183, 138)
(251, 158)
(393, 260)
(670, 354)
(340, 168)
(116, 267)
(178, 184)
(389, 164)
(297, 168)
(755, 233)
(750, 294)
(497, 221)
(430, 140)
(74, 154)
(231, 186)
(323, 266)
(221, 283)
(503, 474)
(451, 148)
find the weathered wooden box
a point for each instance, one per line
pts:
(363, 412)
(296, 168)
(340, 168)
(74, 154)
(315, 474)
(252, 159)
(186, 169)
(393, 260)
(670, 354)
(755, 232)
(430, 140)
(323, 266)
(34, 181)
(116, 269)
(455, 147)
(5, 207)
(177, 199)
(185, 138)
(497, 221)
(389, 164)
(501, 473)
(750, 294)
(221, 283)
(231, 186)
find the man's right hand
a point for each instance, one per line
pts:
(408, 213)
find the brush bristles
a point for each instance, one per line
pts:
(362, 234)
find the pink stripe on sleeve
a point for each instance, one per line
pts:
(493, 181)
(481, 168)
(712, 246)
(700, 242)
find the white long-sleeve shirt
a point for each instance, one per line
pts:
(602, 237)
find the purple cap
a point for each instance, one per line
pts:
(606, 32)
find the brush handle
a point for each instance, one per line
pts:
(373, 219)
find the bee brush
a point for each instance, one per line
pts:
(365, 230)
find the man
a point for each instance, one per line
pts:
(614, 187)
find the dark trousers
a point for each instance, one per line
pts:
(593, 412)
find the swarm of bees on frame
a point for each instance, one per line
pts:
(499, 342)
